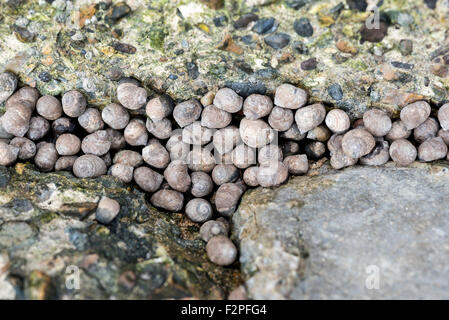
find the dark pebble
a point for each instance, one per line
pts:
(358, 5)
(374, 35)
(179, 52)
(309, 64)
(300, 47)
(192, 70)
(5, 176)
(124, 47)
(406, 47)
(446, 59)
(335, 92)
(265, 25)
(303, 27)
(244, 66)
(426, 81)
(337, 9)
(431, 4)
(23, 34)
(220, 21)
(267, 73)
(114, 74)
(277, 40)
(118, 11)
(439, 52)
(296, 4)
(244, 20)
(45, 76)
(247, 39)
(244, 89)
(173, 77)
(402, 65)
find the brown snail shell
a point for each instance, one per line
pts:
(290, 97)
(187, 112)
(136, 133)
(159, 108)
(8, 154)
(131, 96)
(377, 122)
(68, 144)
(320, 133)
(161, 129)
(202, 184)
(196, 134)
(415, 113)
(357, 143)
(297, 164)
(256, 133)
(156, 155)
(315, 149)
(269, 152)
(221, 250)
(250, 176)
(281, 119)
(27, 148)
(227, 198)
(257, 106)
(168, 199)
(16, 120)
(148, 179)
(310, 117)
(243, 156)
(426, 130)
(97, 143)
(432, 149)
(226, 139)
(46, 156)
(178, 150)
(199, 210)
(115, 116)
(38, 128)
(73, 103)
(91, 120)
(200, 159)
(122, 172)
(293, 133)
(211, 229)
(208, 98)
(89, 166)
(177, 176)
(224, 173)
(337, 121)
(379, 156)
(27, 96)
(403, 152)
(228, 100)
(443, 116)
(215, 118)
(65, 163)
(340, 160)
(272, 173)
(49, 107)
(129, 158)
(398, 131)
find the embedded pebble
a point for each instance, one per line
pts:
(107, 210)
(8, 84)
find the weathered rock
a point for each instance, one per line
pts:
(327, 237)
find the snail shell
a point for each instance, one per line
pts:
(243, 156)
(228, 100)
(226, 139)
(161, 129)
(208, 98)
(8, 154)
(444, 134)
(426, 130)
(379, 156)
(8, 84)
(272, 173)
(224, 173)
(200, 159)
(115, 116)
(227, 198)
(256, 133)
(131, 96)
(68, 144)
(65, 163)
(129, 158)
(187, 112)
(159, 108)
(377, 122)
(297, 164)
(334, 143)
(257, 106)
(122, 172)
(403, 152)
(432, 149)
(250, 176)
(196, 134)
(136, 133)
(178, 150)
(177, 176)
(38, 128)
(221, 250)
(443, 116)
(168, 199)
(27, 148)
(315, 149)
(63, 125)
(293, 133)
(49, 107)
(16, 120)
(290, 97)
(269, 152)
(149, 180)
(340, 160)
(202, 184)
(73, 103)
(215, 118)
(281, 119)
(415, 113)
(97, 143)
(91, 120)
(27, 96)
(89, 166)
(337, 121)
(46, 156)
(117, 139)
(357, 143)
(320, 133)
(398, 131)
(211, 229)
(310, 117)
(290, 147)
(199, 210)
(107, 210)
(156, 155)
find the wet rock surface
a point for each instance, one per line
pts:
(328, 235)
(48, 233)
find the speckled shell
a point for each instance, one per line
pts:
(426, 130)
(27, 148)
(227, 198)
(268, 153)
(168, 200)
(443, 116)
(226, 139)
(148, 179)
(196, 134)
(415, 113)
(199, 210)
(315, 149)
(46, 156)
(89, 166)
(297, 164)
(221, 251)
(68, 144)
(272, 173)
(357, 143)
(156, 155)
(73, 103)
(281, 119)
(293, 133)
(65, 163)
(202, 184)
(136, 133)
(215, 118)
(256, 133)
(290, 97)
(8, 154)
(49, 107)
(200, 159)
(398, 131)
(379, 156)
(403, 152)
(226, 99)
(187, 112)
(211, 229)
(115, 116)
(97, 143)
(177, 176)
(257, 106)
(16, 120)
(91, 120)
(224, 173)
(38, 128)
(320, 133)
(131, 96)
(161, 129)
(310, 117)
(340, 160)
(159, 108)
(243, 156)
(337, 121)
(122, 172)
(250, 176)
(377, 122)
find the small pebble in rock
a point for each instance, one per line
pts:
(199, 210)
(156, 155)
(187, 112)
(403, 152)
(377, 122)
(128, 157)
(221, 250)
(272, 173)
(250, 176)
(281, 119)
(227, 198)
(309, 64)
(406, 47)
(8, 84)
(257, 106)
(68, 144)
(414, 114)
(38, 128)
(27, 148)
(443, 116)
(107, 210)
(49, 107)
(379, 156)
(337, 121)
(46, 156)
(115, 116)
(131, 96)
(161, 129)
(357, 143)
(264, 25)
(426, 130)
(159, 108)
(177, 176)
(277, 40)
(73, 103)
(335, 92)
(97, 143)
(310, 117)
(65, 163)
(303, 27)
(225, 173)
(122, 172)
(246, 19)
(91, 120)
(256, 133)
(398, 131)
(297, 164)
(432, 149)
(8, 154)
(215, 118)
(211, 229)
(202, 184)
(149, 180)
(136, 133)
(315, 149)
(290, 97)
(226, 99)
(168, 199)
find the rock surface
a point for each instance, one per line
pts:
(48, 234)
(330, 235)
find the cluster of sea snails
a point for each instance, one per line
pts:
(201, 155)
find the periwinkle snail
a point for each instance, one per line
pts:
(199, 156)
